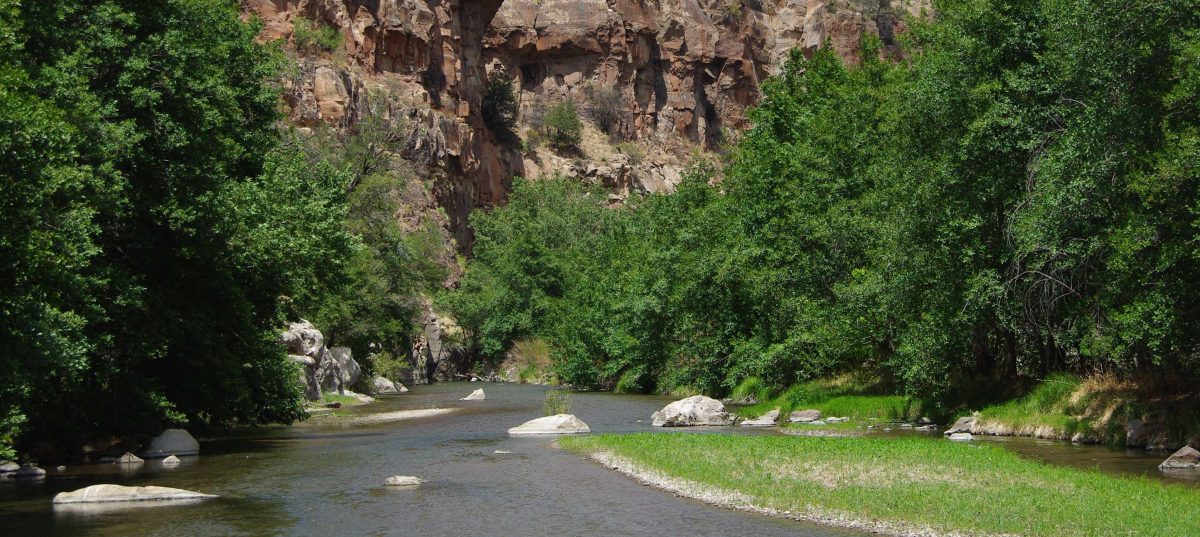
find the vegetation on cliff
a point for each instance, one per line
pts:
(1014, 199)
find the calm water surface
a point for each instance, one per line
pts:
(321, 478)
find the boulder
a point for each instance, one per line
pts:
(476, 395)
(1186, 458)
(383, 386)
(118, 493)
(697, 410)
(765, 420)
(303, 339)
(171, 442)
(556, 424)
(8, 467)
(803, 416)
(963, 425)
(171, 460)
(337, 371)
(961, 437)
(128, 458)
(29, 471)
(403, 481)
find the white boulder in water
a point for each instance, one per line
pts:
(403, 481)
(765, 420)
(118, 493)
(556, 424)
(961, 437)
(171, 461)
(1184, 459)
(128, 458)
(171, 442)
(693, 411)
(476, 395)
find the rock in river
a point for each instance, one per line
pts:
(171, 461)
(118, 493)
(961, 437)
(29, 472)
(804, 416)
(403, 481)
(128, 458)
(963, 425)
(693, 411)
(476, 395)
(764, 420)
(382, 385)
(556, 424)
(1184, 459)
(171, 442)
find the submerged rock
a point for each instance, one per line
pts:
(30, 472)
(804, 416)
(476, 395)
(128, 458)
(697, 410)
(171, 461)
(171, 442)
(764, 420)
(118, 493)
(1184, 459)
(556, 424)
(961, 437)
(963, 425)
(403, 481)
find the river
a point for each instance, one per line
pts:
(325, 477)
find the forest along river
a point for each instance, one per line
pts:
(323, 477)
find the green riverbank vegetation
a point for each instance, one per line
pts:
(897, 484)
(1013, 198)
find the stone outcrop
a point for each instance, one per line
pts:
(118, 493)
(171, 442)
(1186, 458)
(697, 410)
(435, 354)
(556, 424)
(765, 420)
(321, 369)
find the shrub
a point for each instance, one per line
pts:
(557, 402)
(607, 108)
(500, 106)
(311, 36)
(635, 153)
(562, 127)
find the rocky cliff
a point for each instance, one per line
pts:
(682, 74)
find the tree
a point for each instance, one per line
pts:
(500, 106)
(562, 127)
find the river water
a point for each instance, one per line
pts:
(325, 477)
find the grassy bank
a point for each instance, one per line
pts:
(898, 485)
(833, 397)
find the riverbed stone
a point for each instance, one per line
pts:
(382, 385)
(697, 410)
(128, 458)
(962, 437)
(403, 481)
(171, 442)
(171, 460)
(476, 395)
(119, 493)
(1186, 458)
(556, 424)
(765, 420)
(804, 416)
(29, 472)
(8, 467)
(963, 425)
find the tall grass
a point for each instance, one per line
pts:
(832, 397)
(912, 482)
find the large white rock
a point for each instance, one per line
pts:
(476, 395)
(383, 385)
(805, 416)
(693, 411)
(403, 481)
(171, 461)
(1184, 459)
(303, 339)
(129, 458)
(961, 437)
(765, 420)
(556, 424)
(118, 493)
(171, 442)
(9, 467)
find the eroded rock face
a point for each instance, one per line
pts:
(556, 424)
(118, 493)
(697, 410)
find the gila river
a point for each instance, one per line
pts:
(325, 476)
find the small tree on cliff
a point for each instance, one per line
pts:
(500, 106)
(562, 127)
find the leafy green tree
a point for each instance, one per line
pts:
(562, 127)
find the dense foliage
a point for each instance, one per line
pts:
(154, 227)
(1017, 197)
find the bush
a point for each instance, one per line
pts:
(635, 153)
(607, 108)
(557, 402)
(500, 106)
(311, 36)
(562, 127)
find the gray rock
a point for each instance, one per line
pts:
(814, 422)
(128, 458)
(337, 371)
(384, 386)
(1184, 459)
(961, 437)
(697, 410)
(118, 493)
(963, 425)
(802, 416)
(556, 424)
(403, 481)
(765, 420)
(171, 442)
(29, 472)
(476, 395)
(9, 467)
(171, 461)
(303, 339)
(837, 420)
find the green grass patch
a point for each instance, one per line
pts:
(832, 399)
(921, 482)
(334, 397)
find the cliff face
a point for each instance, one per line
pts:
(685, 71)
